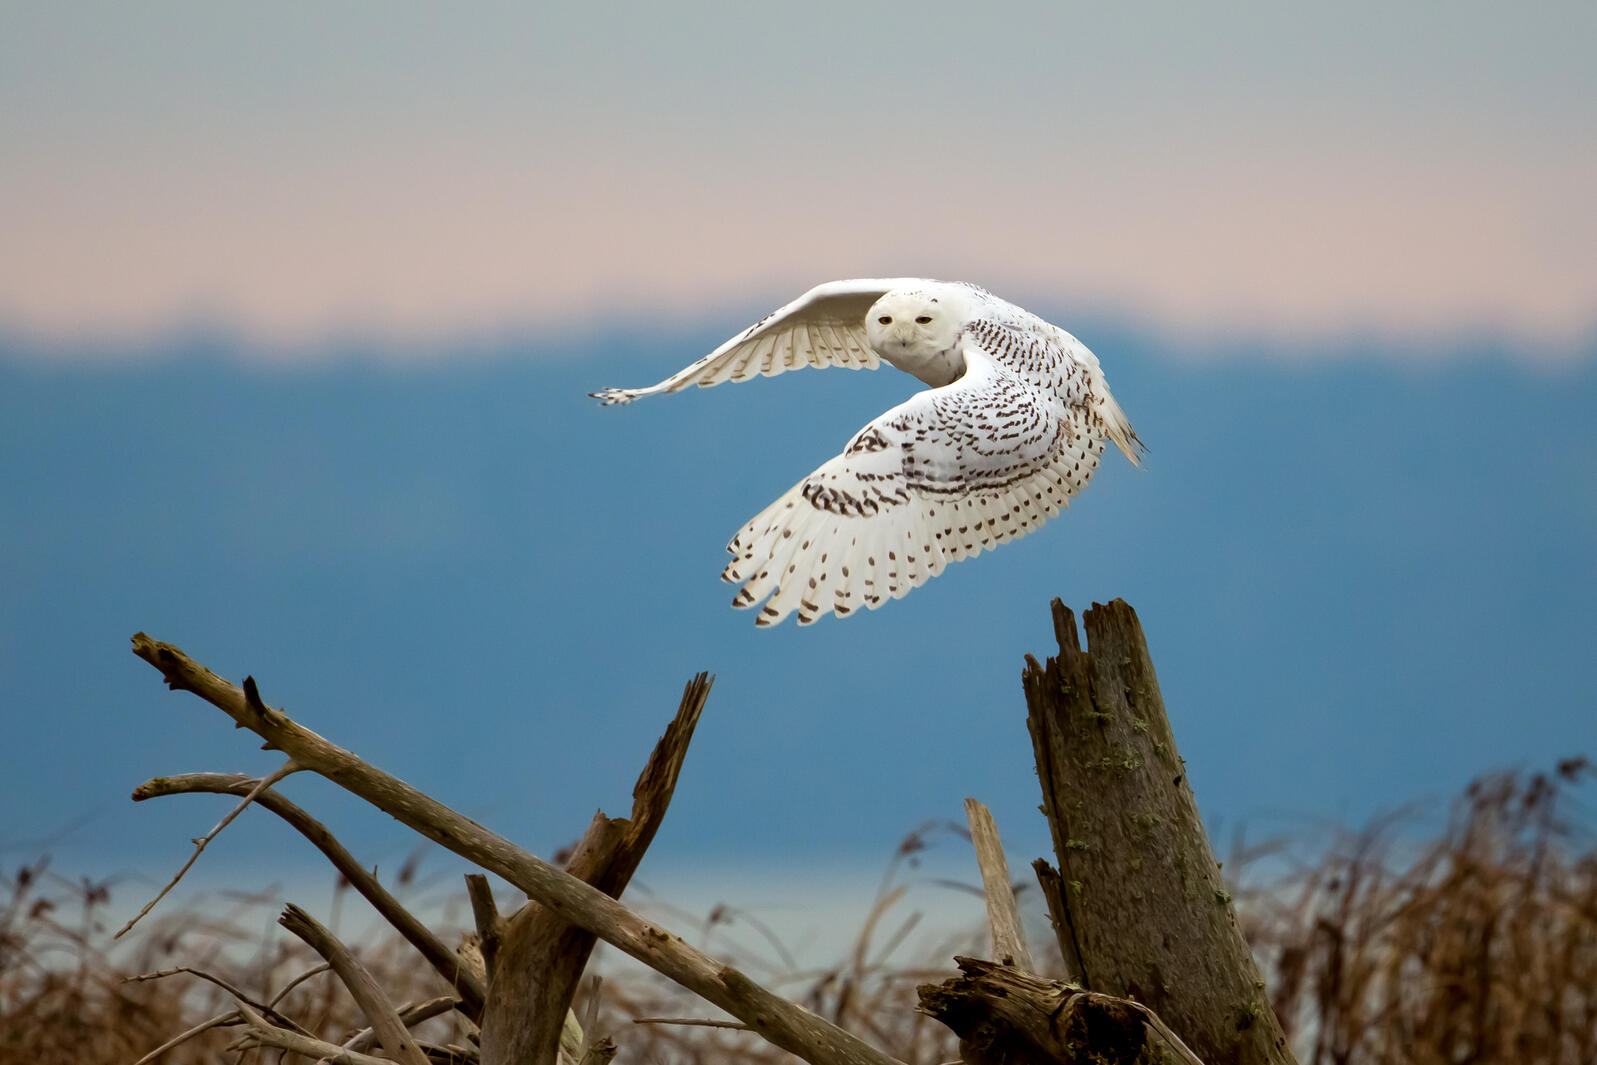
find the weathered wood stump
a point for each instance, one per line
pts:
(1004, 1016)
(1138, 902)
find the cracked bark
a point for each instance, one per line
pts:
(1139, 902)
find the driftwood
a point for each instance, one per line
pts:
(572, 900)
(1156, 966)
(1005, 1015)
(391, 1032)
(1158, 970)
(1138, 900)
(443, 960)
(539, 957)
(1003, 915)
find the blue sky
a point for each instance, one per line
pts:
(299, 308)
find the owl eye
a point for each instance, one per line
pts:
(886, 319)
(924, 319)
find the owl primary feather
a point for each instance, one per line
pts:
(1016, 418)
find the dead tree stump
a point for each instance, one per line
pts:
(1007, 1016)
(540, 956)
(1138, 902)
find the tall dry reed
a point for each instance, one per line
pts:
(1474, 943)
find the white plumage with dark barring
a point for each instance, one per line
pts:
(1013, 425)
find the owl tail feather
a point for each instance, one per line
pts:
(1120, 430)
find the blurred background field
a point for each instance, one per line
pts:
(1477, 943)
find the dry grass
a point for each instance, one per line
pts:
(871, 992)
(1479, 945)
(68, 995)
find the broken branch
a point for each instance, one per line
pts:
(783, 1023)
(443, 960)
(1009, 941)
(368, 994)
(205, 840)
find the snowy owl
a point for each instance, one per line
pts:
(1013, 425)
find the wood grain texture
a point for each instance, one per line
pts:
(380, 1011)
(1004, 1016)
(1053, 893)
(1003, 916)
(1142, 903)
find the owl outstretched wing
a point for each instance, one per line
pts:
(823, 327)
(954, 471)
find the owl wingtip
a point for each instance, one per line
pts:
(612, 397)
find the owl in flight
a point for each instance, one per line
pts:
(1013, 424)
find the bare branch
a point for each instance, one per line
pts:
(222, 983)
(541, 956)
(783, 1023)
(221, 1020)
(693, 1022)
(1009, 940)
(262, 1033)
(443, 960)
(369, 995)
(315, 970)
(205, 840)
(410, 1016)
(485, 912)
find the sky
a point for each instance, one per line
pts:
(413, 169)
(299, 308)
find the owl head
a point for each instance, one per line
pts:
(915, 322)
